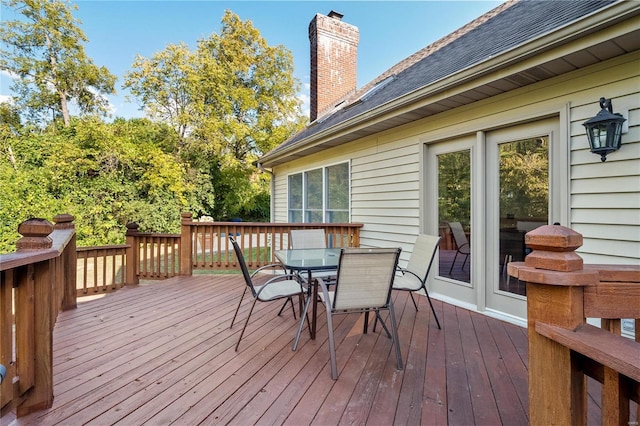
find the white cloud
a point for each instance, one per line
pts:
(8, 74)
(305, 98)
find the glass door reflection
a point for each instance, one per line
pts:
(454, 214)
(524, 201)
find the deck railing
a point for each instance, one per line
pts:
(563, 348)
(101, 269)
(209, 247)
(47, 272)
(36, 282)
(199, 246)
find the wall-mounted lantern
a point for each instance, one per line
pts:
(604, 131)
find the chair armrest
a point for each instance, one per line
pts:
(273, 265)
(291, 277)
(409, 272)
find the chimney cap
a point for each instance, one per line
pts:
(336, 15)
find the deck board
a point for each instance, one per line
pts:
(163, 353)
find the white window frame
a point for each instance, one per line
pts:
(324, 209)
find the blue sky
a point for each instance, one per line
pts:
(389, 30)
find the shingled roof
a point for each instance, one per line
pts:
(504, 28)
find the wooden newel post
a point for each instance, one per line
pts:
(186, 260)
(69, 263)
(132, 254)
(33, 318)
(35, 235)
(555, 279)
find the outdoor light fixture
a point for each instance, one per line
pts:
(604, 131)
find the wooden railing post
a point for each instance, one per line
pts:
(69, 264)
(186, 259)
(34, 327)
(554, 277)
(133, 254)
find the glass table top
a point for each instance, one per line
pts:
(309, 259)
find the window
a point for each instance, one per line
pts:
(320, 195)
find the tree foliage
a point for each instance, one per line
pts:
(44, 51)
(104, 174)
(524, 179)
(230, 100)
(212, 111)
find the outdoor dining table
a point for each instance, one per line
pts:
(310, 260)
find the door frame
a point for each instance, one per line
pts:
(559, 181)
(494, 298)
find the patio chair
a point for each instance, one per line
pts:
(309, 239)
(462, 243)
(279, 287)
(364, 282)
(414, 275)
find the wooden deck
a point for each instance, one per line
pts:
(162, 353)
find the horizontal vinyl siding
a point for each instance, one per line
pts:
(281, 201)
(385, 192)
(605, 197)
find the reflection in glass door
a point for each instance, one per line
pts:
(524, 201)
(454, 214)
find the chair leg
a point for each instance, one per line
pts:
(245, 323)
(384, 325)
(303, 316)
(284, 305)
(464, 262)
(238, 308)
(431, 304)
(293, 309)
(453, 263)
(332, 346)
(413, 300)
(396, 341)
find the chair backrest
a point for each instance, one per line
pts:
(243, 265)
(365, 277)
(424, 251)
(307, 238)
(458, 234)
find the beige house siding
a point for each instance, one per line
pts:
(605, 197)
(386, 169)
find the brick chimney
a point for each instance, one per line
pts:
(334, 53)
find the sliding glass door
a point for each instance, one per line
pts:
(484, 193)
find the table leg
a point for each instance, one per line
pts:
(314, 308)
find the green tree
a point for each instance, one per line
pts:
(104, 174)
(524, 178)
(230, 100)
(44, 51)
(165, 86)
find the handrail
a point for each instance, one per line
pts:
(36, 282)
(563, 349)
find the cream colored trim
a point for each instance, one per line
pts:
(478, 216)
